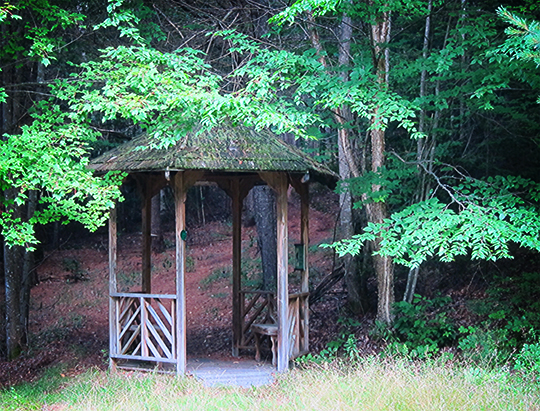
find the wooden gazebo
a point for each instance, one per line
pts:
(148, 327)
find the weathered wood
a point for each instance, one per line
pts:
(113, 331)
(302, 189)
(281, 185)
(144, 295)
(252, 302)
(144, 330)
(270, 330)
(146, 229)
(143, 358)
(125, 347)
(236, 264)
(180, 213)
(139, 321)
(259, 310)
(304, 234)
(183, 180)
(161, 326)
(124, 327)
(166, 314)
(292, 331)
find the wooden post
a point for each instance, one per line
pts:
(113, 332)
(304, 236)
(146, 238)
(281, 185)
(180, 212)
(236, 264)
(237, 189)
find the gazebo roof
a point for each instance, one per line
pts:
(221, 149)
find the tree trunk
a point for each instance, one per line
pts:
(264, 200)
(423, 191)
(376, 211)
(28, 277)
(13, 270)
(348, 166)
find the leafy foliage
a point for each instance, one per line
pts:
(421, 328)
(524, 37)
(50, 158)
(510, 317)
(482, 218)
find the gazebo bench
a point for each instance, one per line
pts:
(270, 330)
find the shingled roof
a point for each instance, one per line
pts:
(221, 149)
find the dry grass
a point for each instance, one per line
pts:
(373, 384)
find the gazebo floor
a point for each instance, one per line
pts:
(213, 372)
(242, 373)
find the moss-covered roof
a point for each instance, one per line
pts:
(221, 149)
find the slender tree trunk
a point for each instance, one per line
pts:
(264, 198)
(28, 278)
(376, 211)
(423, 190)
(13, 270)
(353, 277)
(348, 166)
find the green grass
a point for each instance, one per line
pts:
(373, 384)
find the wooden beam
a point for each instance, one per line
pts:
(280, 184)
(180, 213)
(237, 189)
(146, 228)
(236, 264)
(112, 288)
(304, 235)
(183, 180)
(302, 188)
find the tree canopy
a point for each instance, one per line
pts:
(431, 105)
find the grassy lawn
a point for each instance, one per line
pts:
(372, 384)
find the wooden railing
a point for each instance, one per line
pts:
(298, 325)
(256, 307)
(144, 327)
(259, 307)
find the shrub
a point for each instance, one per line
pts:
(420, 328)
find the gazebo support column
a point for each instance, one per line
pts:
(113, 332)
(180, 191)
(237, 189)
(183, 180)
(281, 185)
(304, 236)
(236, 264)
(146, 227)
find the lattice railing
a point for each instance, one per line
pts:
(298, 324)
(144, 327)
(259, 307)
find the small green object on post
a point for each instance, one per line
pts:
(299, 257)
(183, 235)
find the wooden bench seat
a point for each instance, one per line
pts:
(270, 330)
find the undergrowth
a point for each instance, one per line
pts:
(371, 383)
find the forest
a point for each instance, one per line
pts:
(428, 110)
